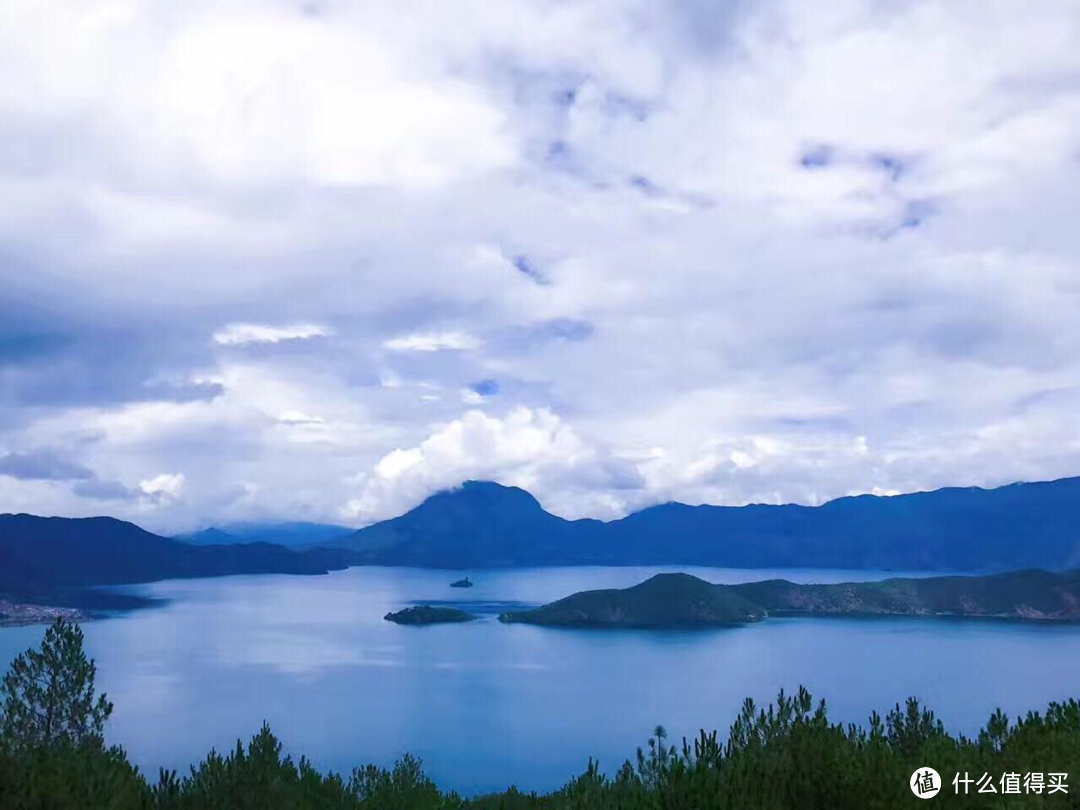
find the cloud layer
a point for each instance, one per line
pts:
(313, 260)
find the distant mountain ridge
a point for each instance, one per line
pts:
(55, 558)
(487, 525)
(210, 536)
(484, 524)
(293, 534)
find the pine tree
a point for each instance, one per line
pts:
(48, 694)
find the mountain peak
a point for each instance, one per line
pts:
(487, 524)
(485, 494)
(211, 536)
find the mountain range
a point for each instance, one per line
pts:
(483, 525)
(486, 525)
(296, 534)
(55, 560)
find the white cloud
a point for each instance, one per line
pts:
(432, 342)
(292, 417)
(246, 94)
(238, 334)
(883, 493)
(398, 462)
(339, 107)
(167, 484)
(533, 449)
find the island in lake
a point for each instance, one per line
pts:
(427, 614)
(682, 600)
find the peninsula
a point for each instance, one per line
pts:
(682, 600)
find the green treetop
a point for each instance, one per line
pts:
(48, 694)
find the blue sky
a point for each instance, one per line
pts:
(315, 260)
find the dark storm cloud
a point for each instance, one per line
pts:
(42, 465)
(95, 489)
(64, 357)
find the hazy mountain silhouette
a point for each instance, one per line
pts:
(42, 556)
(211, 536)
(295, 534)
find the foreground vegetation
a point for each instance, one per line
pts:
(789, 755)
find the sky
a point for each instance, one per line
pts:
(317, 260)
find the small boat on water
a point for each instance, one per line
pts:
(461, 583)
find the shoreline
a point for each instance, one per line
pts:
(23, 614)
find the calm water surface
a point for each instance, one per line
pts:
(486, 705)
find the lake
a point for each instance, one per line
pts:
(487, 705)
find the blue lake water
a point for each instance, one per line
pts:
(486, 705)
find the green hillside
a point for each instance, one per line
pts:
(682, 600)
(666, 600)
